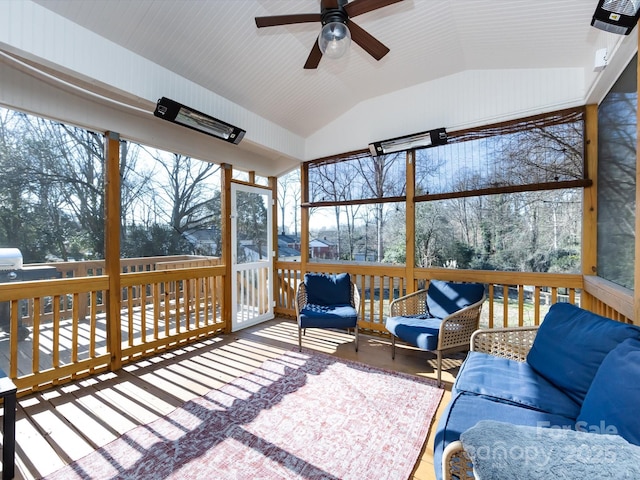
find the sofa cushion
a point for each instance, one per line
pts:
(328, 316)
(572, 343)
(465, 410)
(512, 381)
(445, 298)
(328, 289)
(611, 404)
(418, 330)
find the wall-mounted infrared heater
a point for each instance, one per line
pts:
(188, 117)
(408, 142)
(616, 16)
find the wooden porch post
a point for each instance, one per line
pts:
(304, 219)
(225, 236)
(112, 247)
(410, 227)
(273, 184)
(590, 199)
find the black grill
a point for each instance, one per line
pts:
(12, 270)
(36, 273)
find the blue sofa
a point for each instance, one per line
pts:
(577, 371)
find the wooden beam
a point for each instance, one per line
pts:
(535, 187)
(112, 247)
(273, 183)
(304, 218)
(410, 226)
(590, 198)
(226, 172)
(585, 182)
(359, 201)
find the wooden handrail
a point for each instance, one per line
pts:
(165, 301)
(165, 304)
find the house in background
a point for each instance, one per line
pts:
(291, 241)
(253, 253)
(203, 241)
(322, 248)
(289, 248)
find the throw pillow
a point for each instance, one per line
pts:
(445, 298)
(611, 404)
(572, 343)
(328, 289)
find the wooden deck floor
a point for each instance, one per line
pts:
(60, 425)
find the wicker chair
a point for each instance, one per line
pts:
(336, 305)
(412, 320)
(512, 343)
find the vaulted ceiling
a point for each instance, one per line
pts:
(452, 63)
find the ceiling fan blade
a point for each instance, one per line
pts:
(313, 60)
(276, 20)
(358, 7)
(373, 47)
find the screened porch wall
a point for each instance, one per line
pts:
(514, 298)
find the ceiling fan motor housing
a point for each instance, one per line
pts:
(334, 14)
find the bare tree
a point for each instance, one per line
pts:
(135, 183)
(67, 167)
(188, 191)
(289, 199)
(383, 176)
(332, 182)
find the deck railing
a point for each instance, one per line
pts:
(164, 302)
(513, 298)
(128, 265)
(169, 301)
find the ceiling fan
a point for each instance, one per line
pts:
(337, 28)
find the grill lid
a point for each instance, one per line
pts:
(10, 259)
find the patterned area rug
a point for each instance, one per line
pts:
(300, 416)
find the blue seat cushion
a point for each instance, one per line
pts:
(570, 345)
(418, 330)
(512, 381)
(445, 298)
(325, 289)
(322, 316)
(611, 404)
(465, 410)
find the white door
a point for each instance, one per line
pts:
(251, 256)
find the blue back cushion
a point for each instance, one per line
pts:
(445, 298)
(328, 289)
(572, 343)
(611, 404)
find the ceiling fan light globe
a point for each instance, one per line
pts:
(334, 39)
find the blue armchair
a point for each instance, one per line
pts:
(327, 301)
(441, 317)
